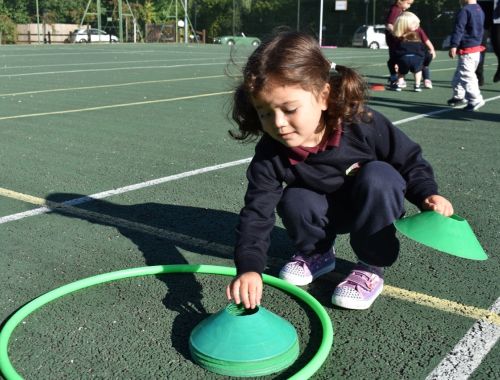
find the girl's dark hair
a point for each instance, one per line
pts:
(294, 58)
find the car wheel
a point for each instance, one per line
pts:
(255, 43)
(374, 45)
(230, 42)
(82, 40)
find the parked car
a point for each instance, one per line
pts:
(96, 35)
(237, 40)
(370, 36)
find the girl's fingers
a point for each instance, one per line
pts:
(243, 293)
(235, 291)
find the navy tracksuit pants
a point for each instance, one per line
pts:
(365, 207)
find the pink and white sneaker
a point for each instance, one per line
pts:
(358, 291)
(303, 270)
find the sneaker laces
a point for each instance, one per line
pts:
(360, 278)
(297, 263)
(300, 264)
(299, 259)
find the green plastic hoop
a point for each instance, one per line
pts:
(307, 371)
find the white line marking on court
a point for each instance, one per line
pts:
(115, 105)
(468, 354)
(402, 121)
(125, 189)
(109, 63)
(112, 69)
(112, 85)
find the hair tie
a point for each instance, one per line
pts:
(333, 65)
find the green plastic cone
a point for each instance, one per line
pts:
(451, 235)
(242, 342)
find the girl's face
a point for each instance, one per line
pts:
(292, 115)
(405, 4)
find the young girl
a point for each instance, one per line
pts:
(346, 168)
(466, 42)
(409, 51)
(397, 9)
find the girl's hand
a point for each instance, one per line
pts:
(246, 289)
(439, 204)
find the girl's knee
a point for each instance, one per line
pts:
(380, 176)
(297, 201)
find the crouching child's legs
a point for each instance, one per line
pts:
(304, 214)
(377, 196)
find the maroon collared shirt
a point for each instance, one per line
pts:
(300, 153)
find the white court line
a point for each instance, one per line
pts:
(108, 63)
(86, 53)
(112, 69)
(437, 112)
(125, 189)
(120, 105)
(112, 85)
(469, 352)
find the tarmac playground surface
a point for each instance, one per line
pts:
(142, 131)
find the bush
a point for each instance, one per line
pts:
(8, 32)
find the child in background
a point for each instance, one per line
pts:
(347, 169)
(430, 54)
(409, 52)
(466, 43)
(397, 9)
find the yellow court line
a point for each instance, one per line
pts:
(22, 197)
(442, 304)
(391, 291)
(116, 105)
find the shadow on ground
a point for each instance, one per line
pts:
(159, 229)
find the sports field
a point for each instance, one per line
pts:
(118, 156)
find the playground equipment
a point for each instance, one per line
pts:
(244, 342)
(100, 11)
(9, 372)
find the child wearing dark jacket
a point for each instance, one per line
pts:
(409, 55)
(466, 44)
(328, 165)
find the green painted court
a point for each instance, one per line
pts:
(117, 156)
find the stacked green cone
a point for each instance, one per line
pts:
(244, 342)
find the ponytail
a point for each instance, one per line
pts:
(348, 93)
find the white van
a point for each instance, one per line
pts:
(370, 36)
